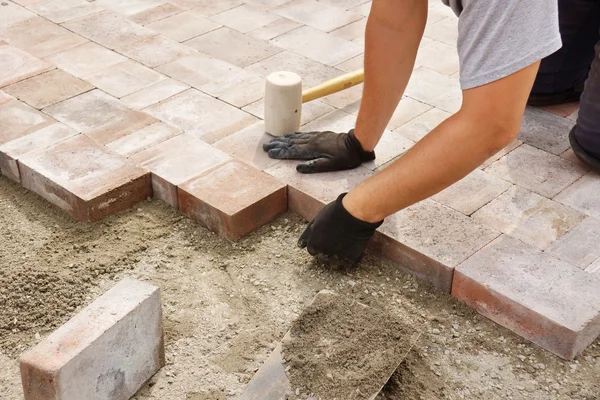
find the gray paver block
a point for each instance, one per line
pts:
(107, 351)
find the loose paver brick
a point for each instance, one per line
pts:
(545, 131)
(472, 192)
(84, 179)
(183, 26)
(534, 294)
(143, 139)
(536, 170)
(109, 29)
(155, 14)
(85, 59)
(318, 46)
(125, 78)
(579, 246)
(247, 146)
(10, 152)
(60, 11)
(18, 119)
(201, 116)
(108, 350)
(245, 18)
(99, 115)
(233, 47)
(48, 88)
(529, 217)
(316, 14)
(16, 65)
(153, 94)
(233, 199)
(583, 195)
(155, 51)
(176, 161)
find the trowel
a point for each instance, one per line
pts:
(271, 382)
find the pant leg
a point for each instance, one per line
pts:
(587, 129)
(578, 20)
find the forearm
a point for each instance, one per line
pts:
(393, 33)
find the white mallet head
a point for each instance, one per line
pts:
(283, 103)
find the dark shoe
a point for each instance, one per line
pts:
(591, 161)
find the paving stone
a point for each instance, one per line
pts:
(84, 179)
(353, 64)
(439, 57)
(274, 29)
(352, 31)
(16, 65)
(108, 350)
(247, 146)
(407, 110)
(344, 4)
(155, 51)
(155, 93)
(594, 268)
(60, 11)
(363, 9)
(207, 8)
(10, 152)
(245, 18)
(444, 31)
(420, 126)
(201, 116)
(176, 161)
(345, 97)
(155, 14)
(109, 29)
(312, 72)
(574, 115)
(562, 110)
(183, 26)
(314, 44)
(513, 145)
(12, 14)
(317, 14)
(583, 195)
(125, 78)
(246, 94)
(130, 7)
(436, 89)
(233, 199)
(529, 217)
(40, 37)
(18, 119)
(335, 121)
(143, 139)
(233, 47)
(545, 131)
(390, 146)
(85, 59)
(579, 247)
(266, 4)
(307, 194)
(99, 116)
(472, 192)
(310, 111)
(536, 170)
(5, 98)
(48, 88)
(570, 155)
(540, 297)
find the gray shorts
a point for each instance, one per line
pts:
(497, 38)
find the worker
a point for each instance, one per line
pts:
(500, 45)
(562, 75)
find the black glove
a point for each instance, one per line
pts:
(336, 234)
(328, 151)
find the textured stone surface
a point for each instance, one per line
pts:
(155, 14)
(513, 145)
(85, 59)
(245, 94)
(583, 195)
(130, 7)
(245, 18)
(153, 94)
(579, 247)
(60, 11)
(175, 161)
(545, 131)
(11, 151)
(125, 78)
(201, 115)
(529, 217)
(390, 146)
(48, 88)
(143, 139)
(274, 29)
(84, 179)
(435, 89)
(108, 350)
(16, 65)
(536, 170)
(472, 192)
(316, 14)
(100, 116)
(155, 51)
(183, 26)
(18, 119)
(246, 145)
(420, 126)
(439, 57)
(233, 199)
(543, 299)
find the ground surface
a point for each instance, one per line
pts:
(226, 305)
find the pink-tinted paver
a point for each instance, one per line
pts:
(18, 119)
(153, 94)
(60, 11)
(233, 199)
(175, 161)
(317, 14)
(81, 177)
(245, 18)
(155, 51)
(143, 139)
(247, 146)
(580, 246)
(183, 26)
(85, 59)
(542, 298)
(122, 79)
(583, 195)
(274, 29)
(16, 65)
(155, 14)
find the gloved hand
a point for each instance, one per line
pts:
(327, 151)
(334, 234)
